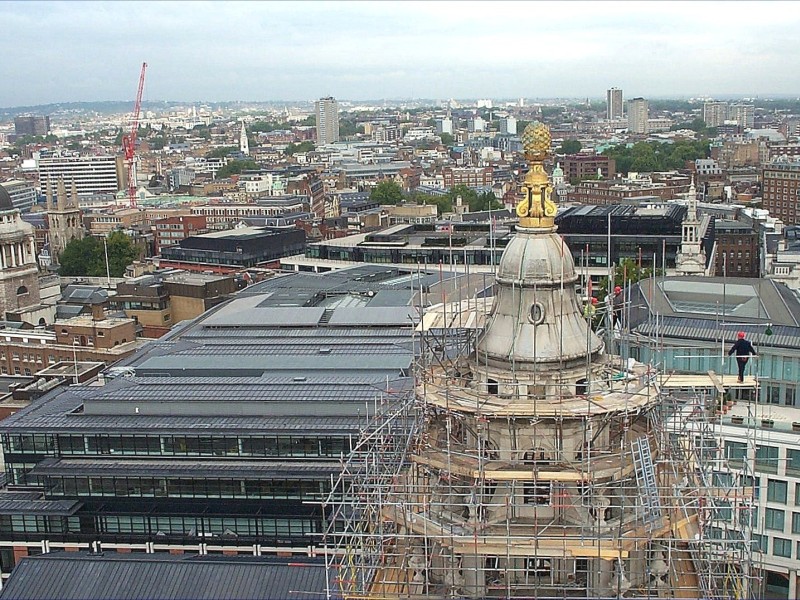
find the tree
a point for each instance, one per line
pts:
(235, 167)
(447, 139)
(306, 146)
(569, 147)
(87, 256)
(387, 191)
(485, 201)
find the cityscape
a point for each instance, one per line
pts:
(419, 312)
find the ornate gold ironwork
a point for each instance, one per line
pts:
(536, 209)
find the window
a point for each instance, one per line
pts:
(736, 452)
(760, 543)
(782, 547)
(774, 519)
(776, 491)
(795, 522)
(767, 459)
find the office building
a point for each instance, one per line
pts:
(781, 189)
(31, 125)
(715, 113)
(638, 114)
(92, 175)
(327, 112)
(221, 437)
(613, 104)
(688, 324)
(22, 193)
(508, 125)
(233, 250)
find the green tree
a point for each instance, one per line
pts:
(485, 201)
(447, 139)
(87, 256)
(235, 167)
(306, 146)
(387, 191)
(469, 197)
(569, 147)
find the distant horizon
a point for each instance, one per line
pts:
(432, 101)
(62, 52)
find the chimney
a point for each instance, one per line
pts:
(98, 314)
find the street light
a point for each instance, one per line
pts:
(75, 345)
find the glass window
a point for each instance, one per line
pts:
(782, 547)
(760, 543)
(774, 519)
(767, 459)
(792, 461)
(795, 522)
(777, 491)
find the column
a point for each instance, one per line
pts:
(13, 255)
(792, 583)
(2, 257)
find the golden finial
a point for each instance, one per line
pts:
(536, 209)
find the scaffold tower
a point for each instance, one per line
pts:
(531, 463)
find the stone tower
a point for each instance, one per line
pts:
(64, 218)
(691, 259)
(19, 274)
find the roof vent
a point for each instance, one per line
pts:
(298, 379)
(324, 350)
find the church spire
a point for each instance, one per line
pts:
(691, 258)
(244, 145)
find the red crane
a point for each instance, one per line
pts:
(129, 141)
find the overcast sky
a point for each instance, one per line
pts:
(83, 51)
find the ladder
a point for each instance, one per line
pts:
(646, 480)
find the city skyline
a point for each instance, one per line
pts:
(73, 52)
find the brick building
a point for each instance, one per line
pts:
(615, 192)
(472, 177)
(737, 249)
(577, 167)
(781, 190)
(172, 230)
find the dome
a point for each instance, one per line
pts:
(5, 199)
(535, 259)
(558, 171)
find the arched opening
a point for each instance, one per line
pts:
(22, 290)
(492, 387)
(581, 387)
(83, 340)
(42, 321)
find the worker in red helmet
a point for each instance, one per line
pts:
(744, 350)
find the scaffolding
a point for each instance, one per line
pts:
(645, 505)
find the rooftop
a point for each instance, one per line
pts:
(77, 576)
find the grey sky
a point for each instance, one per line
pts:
(82, 51)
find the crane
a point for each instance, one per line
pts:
(129, 141)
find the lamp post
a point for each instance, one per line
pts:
(108, 269)
(75, 359)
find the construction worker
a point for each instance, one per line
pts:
(744, 350)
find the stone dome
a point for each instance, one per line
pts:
(532, 258)
(5, 200)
